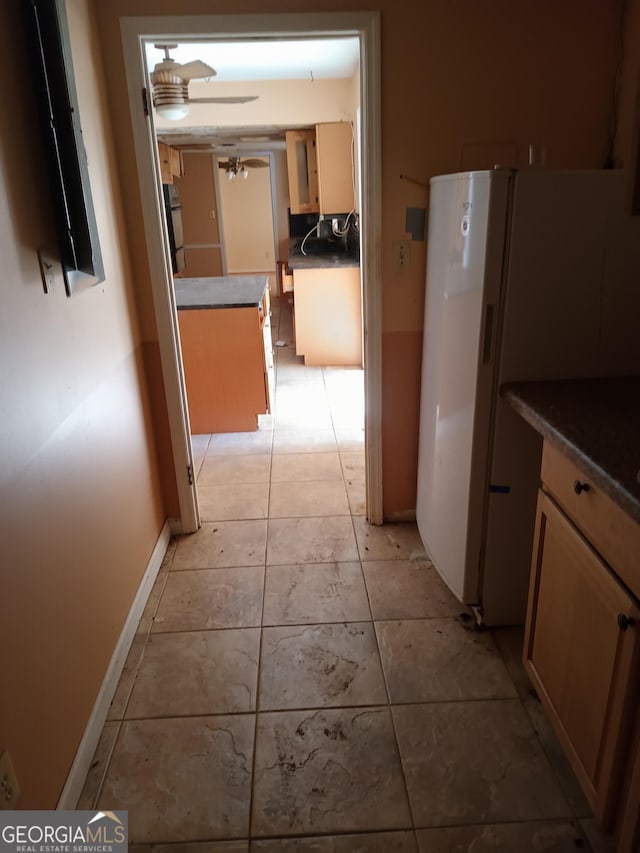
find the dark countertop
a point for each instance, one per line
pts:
(596, 422)
(229, 291)
(319, 260)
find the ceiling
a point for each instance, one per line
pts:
(264, 59)
(256, 59)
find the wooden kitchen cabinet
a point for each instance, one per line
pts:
(320, 169)
(582, 644)
(228, 367)
(302, 169)
(335, 167)
(328, 316)
(170, 163)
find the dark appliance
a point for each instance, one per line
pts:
(173, 213)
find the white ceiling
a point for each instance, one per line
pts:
(263, 59)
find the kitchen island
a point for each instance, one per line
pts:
(225, 336)
(582, 636)
(327, 303)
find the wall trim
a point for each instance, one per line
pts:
(82, 761)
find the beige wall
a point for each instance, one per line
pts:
(81, 507)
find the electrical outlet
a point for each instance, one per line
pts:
(402, 253)
(9, 788)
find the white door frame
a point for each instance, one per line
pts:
(364, 25)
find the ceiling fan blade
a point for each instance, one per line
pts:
(224, 164)
(253, 163)
(195, 69)
(231, 100)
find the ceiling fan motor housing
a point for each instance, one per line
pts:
(170, 92)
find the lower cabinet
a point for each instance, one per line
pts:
(228, 367)
(582, 635)
(328, 316)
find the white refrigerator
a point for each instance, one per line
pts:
(531, 274)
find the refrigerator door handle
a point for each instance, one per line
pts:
(487, 337)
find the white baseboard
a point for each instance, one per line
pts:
(82, 761)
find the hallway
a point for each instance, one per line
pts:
(301, 681)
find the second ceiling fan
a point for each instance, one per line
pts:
(170, 86)
(234, 166)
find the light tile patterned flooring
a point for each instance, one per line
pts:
(301, 681)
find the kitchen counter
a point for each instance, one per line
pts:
(230, 291)
(595, 422)
(320, 259)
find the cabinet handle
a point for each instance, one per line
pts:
(579, 487)
(625, 621)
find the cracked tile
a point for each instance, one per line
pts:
(435, 660)
(529, 837)
(475, 762)
(222, 544)
(199, 672)
(331, 771)
(211, 598)
(315, 592)
(408, 589)
(320, 666)
(185, 778)
(380, 842)
(311, 540)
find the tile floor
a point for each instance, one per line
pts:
(301, 681)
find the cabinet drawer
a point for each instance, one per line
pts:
(614, 534)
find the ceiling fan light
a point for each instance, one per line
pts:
(173, 112)
(244, 172)
(230, 174)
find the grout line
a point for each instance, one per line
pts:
(314, 709)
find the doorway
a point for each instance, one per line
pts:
(136, 33)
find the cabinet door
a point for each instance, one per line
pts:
(175, 159)
(302, 169)
(581, 649)
(335, 167)
(164, 154)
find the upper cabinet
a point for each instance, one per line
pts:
(170, 163)
(321, 169)
(302, 167)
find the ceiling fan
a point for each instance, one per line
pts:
(170, 85)
(234, 166)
